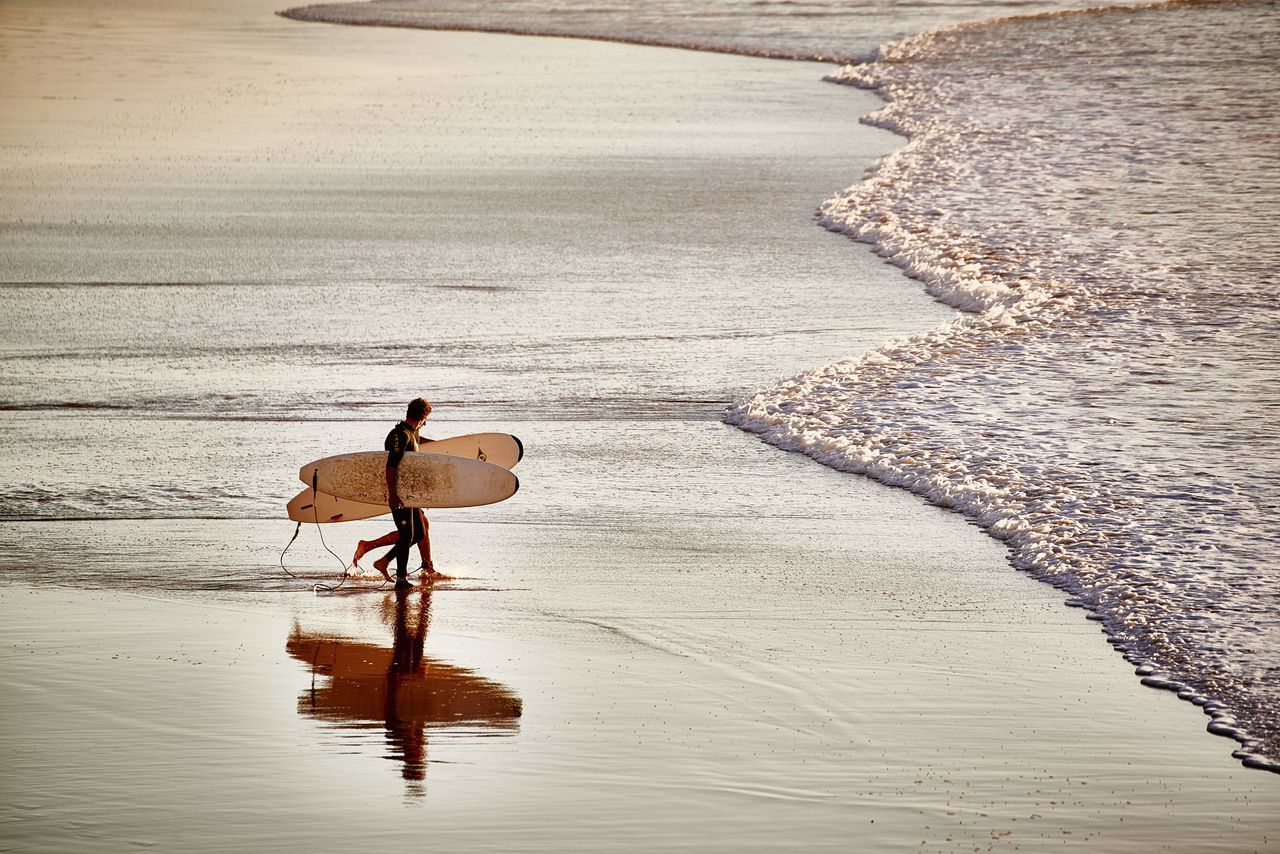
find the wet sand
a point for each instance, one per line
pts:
(694, 705)
(709, 643)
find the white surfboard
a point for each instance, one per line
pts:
(498, 448)
(309, 506)
(501, 449)
(425, 480)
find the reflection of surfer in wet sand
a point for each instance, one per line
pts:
(406, 738)
(400, 687)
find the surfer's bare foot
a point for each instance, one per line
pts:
(381, 566)
(362, 549)
(403, 584)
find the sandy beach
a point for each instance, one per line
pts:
(674, 637)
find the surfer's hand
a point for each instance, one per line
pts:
(395, 502)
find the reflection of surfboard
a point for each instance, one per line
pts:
(400, 688)
(435, 693)
(498, 448)
(425, 480)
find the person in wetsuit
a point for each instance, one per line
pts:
(411, 522)
(406, 438)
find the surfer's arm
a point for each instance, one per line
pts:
(393, 498)
(396, 445)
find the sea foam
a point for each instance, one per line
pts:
(1106, 405)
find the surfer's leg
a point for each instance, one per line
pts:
(406, 526)
(424, 544)
(383, 562)
(365, 546)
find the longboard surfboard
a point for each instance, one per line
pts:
(308, 506)
(498, 448)
(425, 480)
(501, 449)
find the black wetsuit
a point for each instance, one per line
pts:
(410, 522)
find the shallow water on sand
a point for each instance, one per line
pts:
(554, 250)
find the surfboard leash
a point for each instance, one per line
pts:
(315, 512)
(296, 531)
(346, 567)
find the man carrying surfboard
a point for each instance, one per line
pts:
(411, 523)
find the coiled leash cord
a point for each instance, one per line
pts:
(319, 586)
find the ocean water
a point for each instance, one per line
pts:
(1100, 192)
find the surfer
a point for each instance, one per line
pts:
(411, 522)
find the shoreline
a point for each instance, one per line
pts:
(743, 42)
(312, 14)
